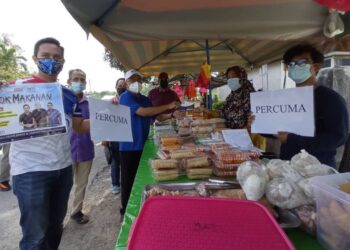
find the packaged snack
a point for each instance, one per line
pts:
(200, 171)
(224, 173)
(231, 156)
(165, 175)
(197, 162)
(181, 154)
(226, 167)
(170, 147)
(164, 164)
(220, 146)
(170, 140)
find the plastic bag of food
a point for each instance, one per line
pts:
(314, 170)
(303, 159)
(307, 215)
(253, 179)
(276, 168)
(283, 193)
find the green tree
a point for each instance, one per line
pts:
(115, 63)
(12, 63)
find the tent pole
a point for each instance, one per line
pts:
(207, 50)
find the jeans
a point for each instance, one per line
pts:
(129, 164)
(115, 165)
(42, 198)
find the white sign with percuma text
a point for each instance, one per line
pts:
(286, 110)
(109, 122)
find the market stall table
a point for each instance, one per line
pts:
(300, 239)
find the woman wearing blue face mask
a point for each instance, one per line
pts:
(237, 105)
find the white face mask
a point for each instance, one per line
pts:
(233, 83)
(135, 87)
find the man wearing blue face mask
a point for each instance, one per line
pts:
(331, 115)
(82, 148)
(41, 167)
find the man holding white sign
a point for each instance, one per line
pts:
(42, 167)
(330, 112)
(142, 113)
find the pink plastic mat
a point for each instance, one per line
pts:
(168, 223)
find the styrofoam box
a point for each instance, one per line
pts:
(333, 211)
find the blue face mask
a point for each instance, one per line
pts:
(299, 73)
(233, 84)
(49, 66)
(78, 87)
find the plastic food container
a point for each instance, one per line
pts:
(333, 211)
(164, 164)
(224, 173)
(166, 174)
(200, 223)
(226, 167)
(196, 162)
(230, 156)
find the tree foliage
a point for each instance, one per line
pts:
(115, 63)
(13, 64)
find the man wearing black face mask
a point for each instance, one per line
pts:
(162, 95)
(112, 148)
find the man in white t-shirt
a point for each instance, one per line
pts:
(42, 167)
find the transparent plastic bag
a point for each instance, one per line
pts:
(253, 179)
(283, 193)
(276, 168)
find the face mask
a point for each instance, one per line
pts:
(120, 91)
(77, 87)
(135, 87)
(163, 84)
(233, 84)
(50, 66)
(299, 74)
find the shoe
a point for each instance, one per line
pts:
(115, 190)
(5, 186)
(80, 218)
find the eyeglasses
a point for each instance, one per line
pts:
(299, 62)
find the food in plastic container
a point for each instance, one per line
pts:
(199, 171)
(226, 167)
(285, 194)
(229, 193)
(170, 147)
(224, 173)
(184, 123)
(231, 156)
(184, 131)
(197, 162)
(170, 140)
(181, 154)
(164, 164)
(312, 170)
(166, 175)
(333, 210)
(197, 176)
(220, 146)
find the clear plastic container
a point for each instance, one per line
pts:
(197, 162)
(226, 167)
(166, 175)
(230, 156)
(224, 173)
(181, 154)
(333, 210)
(164, 164)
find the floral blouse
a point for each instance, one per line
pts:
(237, 106)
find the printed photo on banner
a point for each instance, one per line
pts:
(106, 117)
(31, 110)
(286, 110)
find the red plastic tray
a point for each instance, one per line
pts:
(169, 223)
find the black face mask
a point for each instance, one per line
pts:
(163, 84)
(120, 91)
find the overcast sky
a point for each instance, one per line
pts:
(30, 20)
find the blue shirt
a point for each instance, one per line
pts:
(139, 124)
